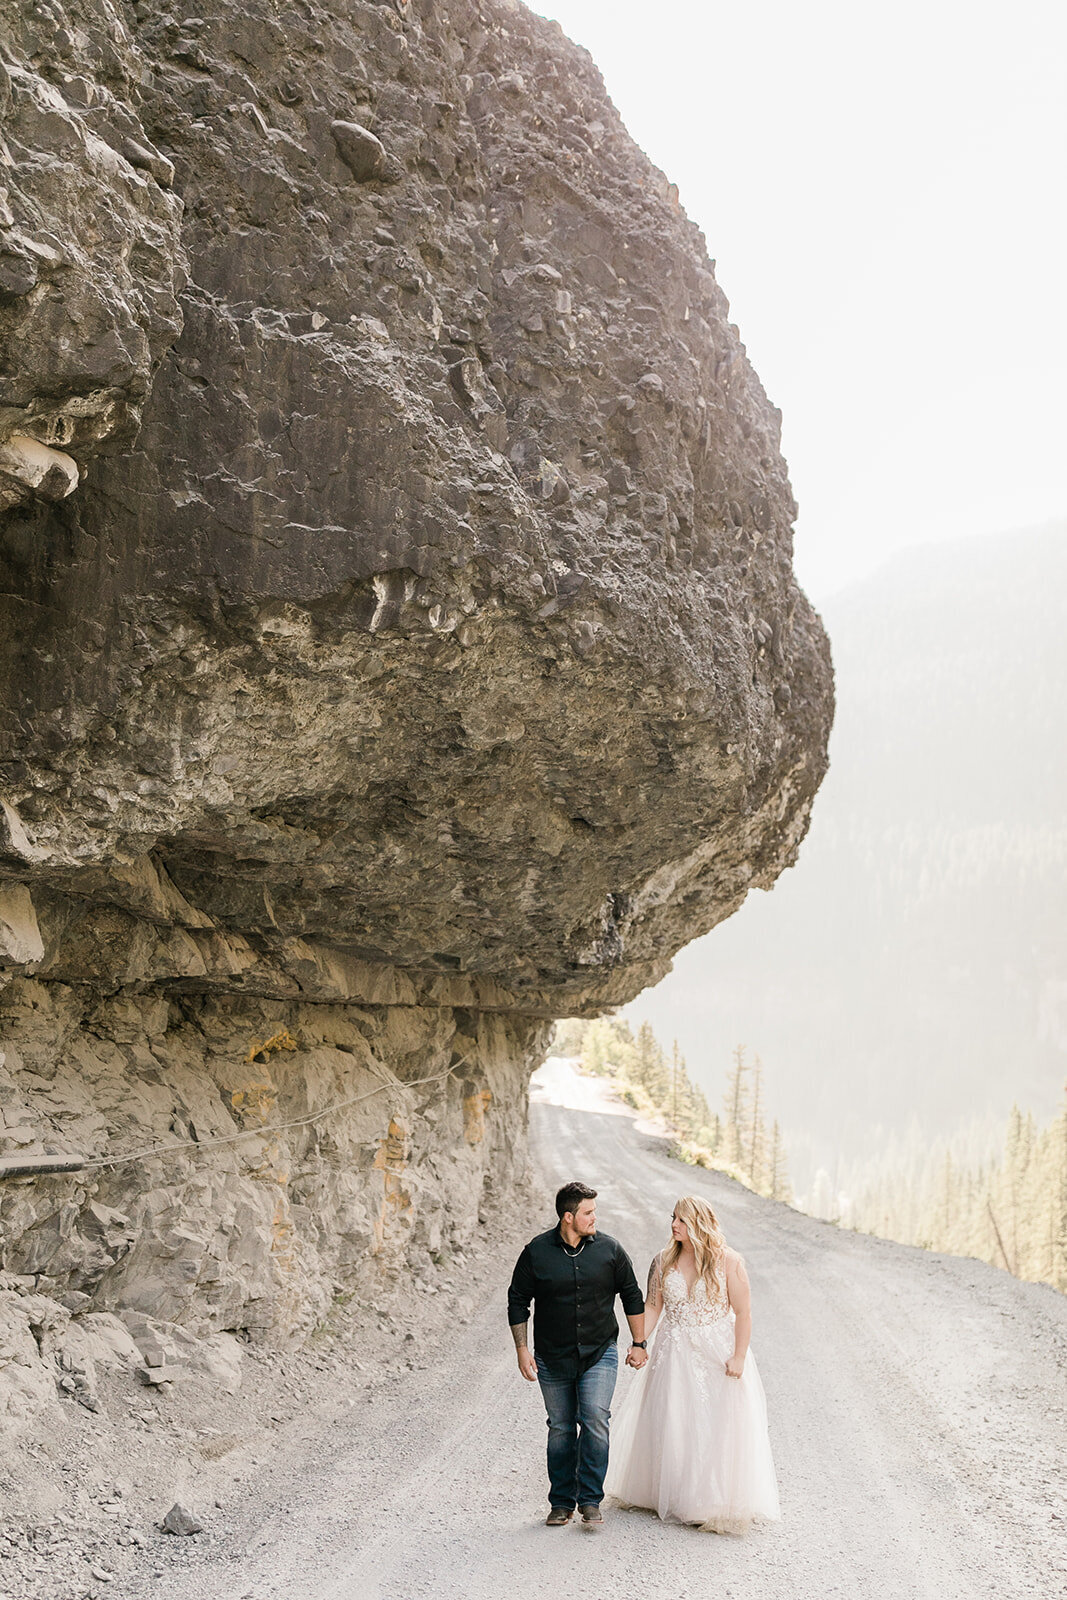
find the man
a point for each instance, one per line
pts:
(572, 1274)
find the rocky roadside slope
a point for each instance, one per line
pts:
(86, 1493)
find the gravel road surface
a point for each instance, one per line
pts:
(917, 1407)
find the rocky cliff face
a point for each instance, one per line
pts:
(400, 638)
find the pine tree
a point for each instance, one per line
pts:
(756, 1151)
(1017, 1149)
(570, 1031)
(1058, 1174)
(735, 1108)
(650, 1069)
(998, 1236)
(675, 1065)
(709, 1134)
(946, 1206)
(780, 1187)
(596, 1046)
(701, 1111)
(694, 1114)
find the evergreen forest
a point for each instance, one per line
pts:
(1008, 1208)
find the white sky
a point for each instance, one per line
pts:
(882, 188)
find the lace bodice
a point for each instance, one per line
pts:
(680, 1308)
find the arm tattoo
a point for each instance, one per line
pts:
(518, 1333)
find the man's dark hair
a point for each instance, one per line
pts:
(571, 1196)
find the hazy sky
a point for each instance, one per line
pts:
(882, 189)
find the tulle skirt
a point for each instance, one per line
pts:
(691, 1443)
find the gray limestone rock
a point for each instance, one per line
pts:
(179, 1521)
(91, 260)
(294, 1150)
(20, 937)
(360, 150)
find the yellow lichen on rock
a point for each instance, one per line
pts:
(254, 1100)
(474, 1109)
(277, 1041)
(396, 1211)
(283, 1236)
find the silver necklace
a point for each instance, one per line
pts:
(573, 1253)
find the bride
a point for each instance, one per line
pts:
(691, 1438)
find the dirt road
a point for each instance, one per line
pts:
(917, 1415)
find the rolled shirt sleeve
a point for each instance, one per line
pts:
(521, 1290)
(629, 1292)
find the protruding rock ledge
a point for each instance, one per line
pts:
(28, 467)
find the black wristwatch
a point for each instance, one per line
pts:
(638, 1344)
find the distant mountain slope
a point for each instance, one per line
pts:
(913, 965)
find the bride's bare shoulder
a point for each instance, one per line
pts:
(735, 1261)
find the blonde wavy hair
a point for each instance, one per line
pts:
(708, 1243)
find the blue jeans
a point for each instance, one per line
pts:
(579, 1410)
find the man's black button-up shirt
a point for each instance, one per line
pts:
(574, 1298)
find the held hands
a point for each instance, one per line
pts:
(735, 1366)
(528, 1366)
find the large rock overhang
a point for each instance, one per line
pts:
(419, 619)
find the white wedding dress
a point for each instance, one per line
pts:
(688, 1441)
